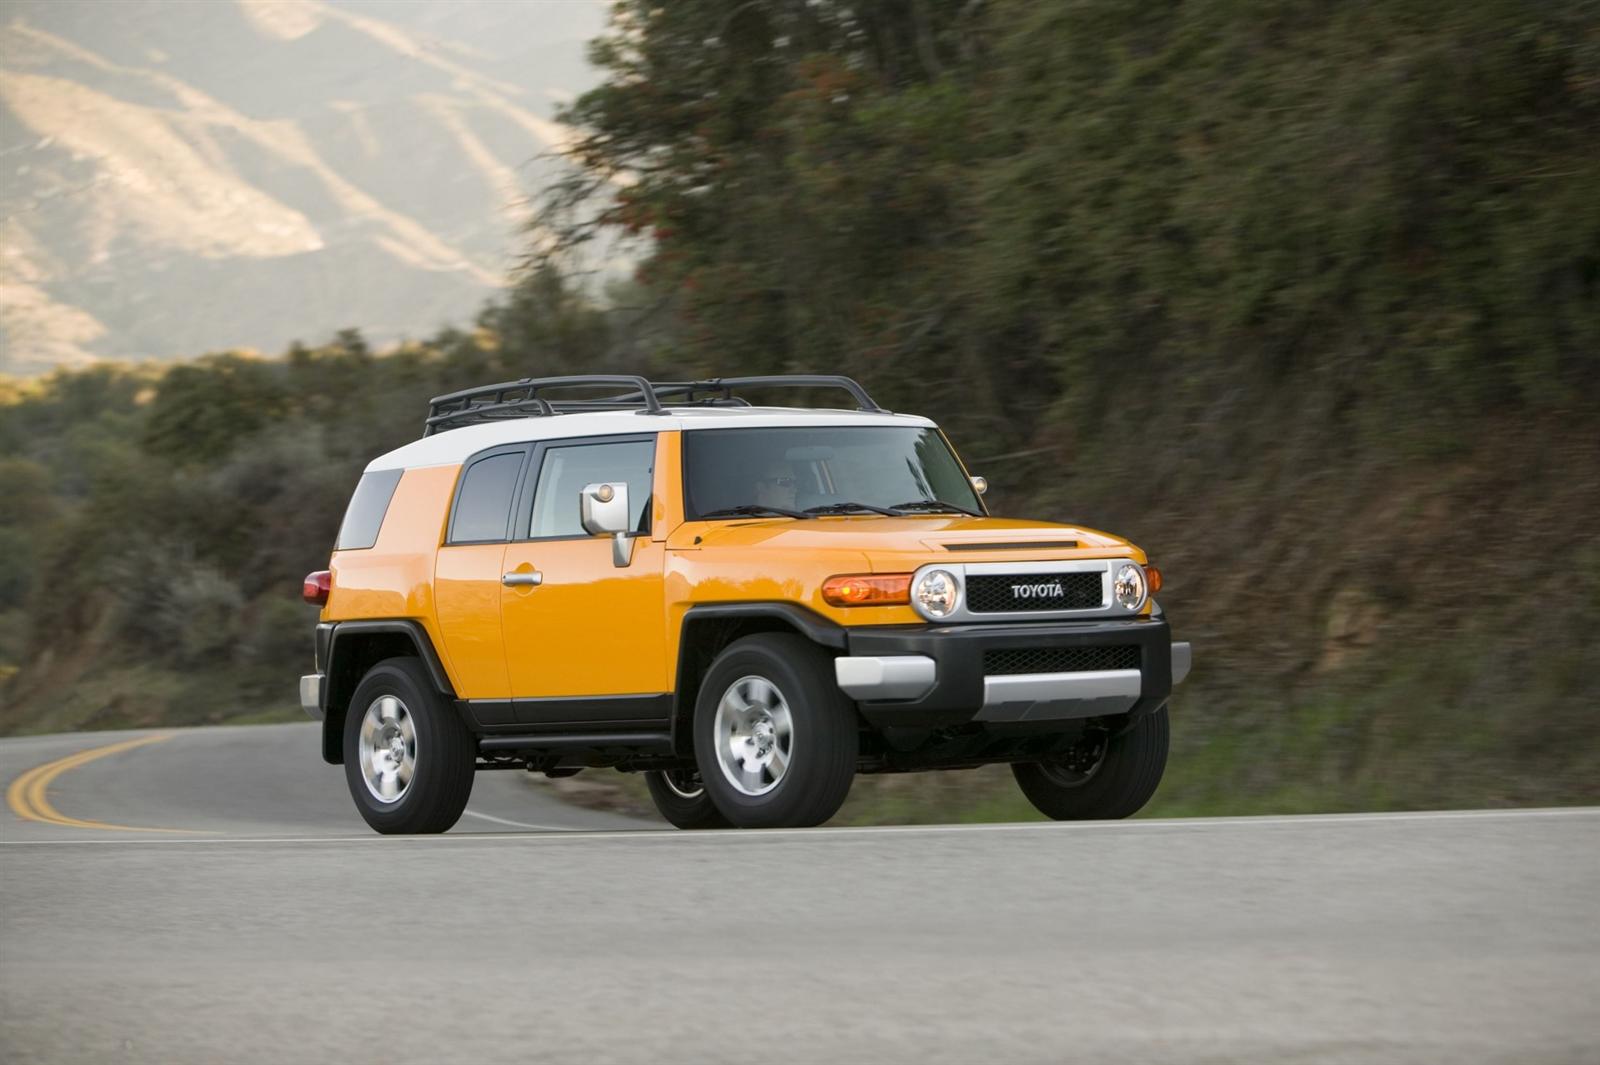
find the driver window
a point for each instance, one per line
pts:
(564, 472)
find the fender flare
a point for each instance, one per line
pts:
(807, 622)
(331, 636)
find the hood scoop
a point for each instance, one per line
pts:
(1010, 545)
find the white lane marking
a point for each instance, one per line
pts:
(871, 830)
(517, 824)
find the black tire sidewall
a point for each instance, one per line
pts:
(446, 759)
(825, 733)
(1134, 764)
(693, 812)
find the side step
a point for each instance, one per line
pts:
(633, 742)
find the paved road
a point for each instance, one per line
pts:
(274, 928)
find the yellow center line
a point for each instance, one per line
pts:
(27, 794)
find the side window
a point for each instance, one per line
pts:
(364, 517)
(565, 470)
(483, 503)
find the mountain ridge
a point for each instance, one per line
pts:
(242, 175)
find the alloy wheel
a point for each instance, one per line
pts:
(754, 735)
(388, 749)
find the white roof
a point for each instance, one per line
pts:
(454, 446)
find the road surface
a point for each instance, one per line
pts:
(265, 923)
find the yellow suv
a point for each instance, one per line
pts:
(748, 604)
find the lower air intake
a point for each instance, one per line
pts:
(1000, 663)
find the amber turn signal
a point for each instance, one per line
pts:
(868, 589)
(1152, 577)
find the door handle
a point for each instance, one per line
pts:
(511, 580)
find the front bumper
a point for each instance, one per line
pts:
(933, 675)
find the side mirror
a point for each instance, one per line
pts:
(980, 485)
(603, 510)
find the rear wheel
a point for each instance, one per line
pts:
(775, 739)
(1102, 778)
(409, 759)
(682, 799)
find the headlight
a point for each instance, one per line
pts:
(1129, 587)
(937, 592)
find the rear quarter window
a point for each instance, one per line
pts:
(364, 517)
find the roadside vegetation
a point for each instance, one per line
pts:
(1303, 297)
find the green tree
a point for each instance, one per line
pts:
(795, 174)
(205, 409)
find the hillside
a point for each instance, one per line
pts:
(1302, 298)
(179, 178)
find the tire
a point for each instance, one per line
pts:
(1116, 786)
(810, 728)
(682, 799)
(425, 733)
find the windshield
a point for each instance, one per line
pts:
(795, 470)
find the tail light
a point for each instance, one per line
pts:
(316, 588)
(868, 589)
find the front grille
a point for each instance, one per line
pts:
(1005, 593)
(1000, 663)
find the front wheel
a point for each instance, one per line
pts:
(682, 799)
(1101, 778)
(408, 757)
(775, 739)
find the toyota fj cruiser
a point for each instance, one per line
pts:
(748, 604)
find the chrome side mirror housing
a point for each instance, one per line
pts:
(980, 485)
(603, 511)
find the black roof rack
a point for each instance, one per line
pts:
(525, 398)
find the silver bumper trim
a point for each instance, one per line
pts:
(311, 694)
(1059, 696)
(888, 677)
(1181, 660)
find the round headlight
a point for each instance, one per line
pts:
(936, 593)
(1129, 587)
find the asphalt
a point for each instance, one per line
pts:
(264, 923)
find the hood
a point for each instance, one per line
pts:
(892, 544)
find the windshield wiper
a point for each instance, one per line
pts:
(936, 504)
(755, 510)
(846, 508)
